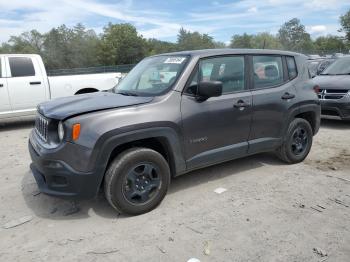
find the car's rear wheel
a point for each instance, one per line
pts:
(137, 181)
(297, 142)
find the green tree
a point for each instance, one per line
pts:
(187, 40)
(83, 47)
(70, 47)
(242, 41)
(27, 42)
(56, 45)
(266, 41)
(155, 46)
(5, 48)
(345, 24)
(294, 37)
(329, 44)
(121, 44)
(218, 44)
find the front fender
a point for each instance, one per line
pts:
(108, 142)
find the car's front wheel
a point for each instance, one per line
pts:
(297, 142)
(137, 181)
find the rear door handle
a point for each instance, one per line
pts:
(1, 85)
(287, 96)
(35, 83)
(240, 104)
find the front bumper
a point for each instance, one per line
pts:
(57, 178)
(336, 109)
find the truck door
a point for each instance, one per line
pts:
(217, 129)
(26, 85)
(4, 96)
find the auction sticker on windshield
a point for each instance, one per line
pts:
(174, 60)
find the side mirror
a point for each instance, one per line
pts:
(208, 89)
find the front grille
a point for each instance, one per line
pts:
(42, 127)
(334, 94)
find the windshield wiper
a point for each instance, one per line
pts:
(126, 93)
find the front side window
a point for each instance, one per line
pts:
(152, 76)
(268, 71)
(229, 70)
(21, 66)
(292, 68)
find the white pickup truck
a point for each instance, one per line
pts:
(24, 84)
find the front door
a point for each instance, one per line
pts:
(217, 129)
(26, 84)
(5, 106)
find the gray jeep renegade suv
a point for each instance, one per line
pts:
(174, 113)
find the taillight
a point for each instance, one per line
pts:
(317, 89)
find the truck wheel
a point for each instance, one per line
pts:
(297, 142)
(136, 181)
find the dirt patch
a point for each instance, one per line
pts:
(339, 161)
(266, 211)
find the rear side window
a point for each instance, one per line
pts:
(292, 67)
(21, 66)
(268, 71)
(0, 68)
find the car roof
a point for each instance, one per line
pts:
(231, 51)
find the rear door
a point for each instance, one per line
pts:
(4, 96)
(273, 94)
(217, 129)
(26, 85)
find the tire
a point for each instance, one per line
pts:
(295, 150)
(143, 168)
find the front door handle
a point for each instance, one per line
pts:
(240, 104)
(287, 96)
(35, 83)
(1, 85)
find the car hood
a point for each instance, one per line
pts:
(62, 108)
(333, 82)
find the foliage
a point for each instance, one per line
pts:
(294, 37)
(345, 25)
(120, 44)
(259, 41)
(154, 46)
(68, 48)
(329, 44)
(75, 47)
(242, 41)
(187, 40)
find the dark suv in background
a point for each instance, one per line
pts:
(171, 114)
(334, 89)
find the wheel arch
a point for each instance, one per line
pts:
(86, 90)
(309, 112)
(164, 140)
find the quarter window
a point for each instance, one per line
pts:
(268, 71)
(229, 70)
(21, 66)
(292, 68)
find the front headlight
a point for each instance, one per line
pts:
(60, 131)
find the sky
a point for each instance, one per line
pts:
(162, 19)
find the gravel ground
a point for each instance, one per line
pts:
(270, 211)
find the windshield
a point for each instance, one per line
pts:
(152, 76)
(340, 67)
